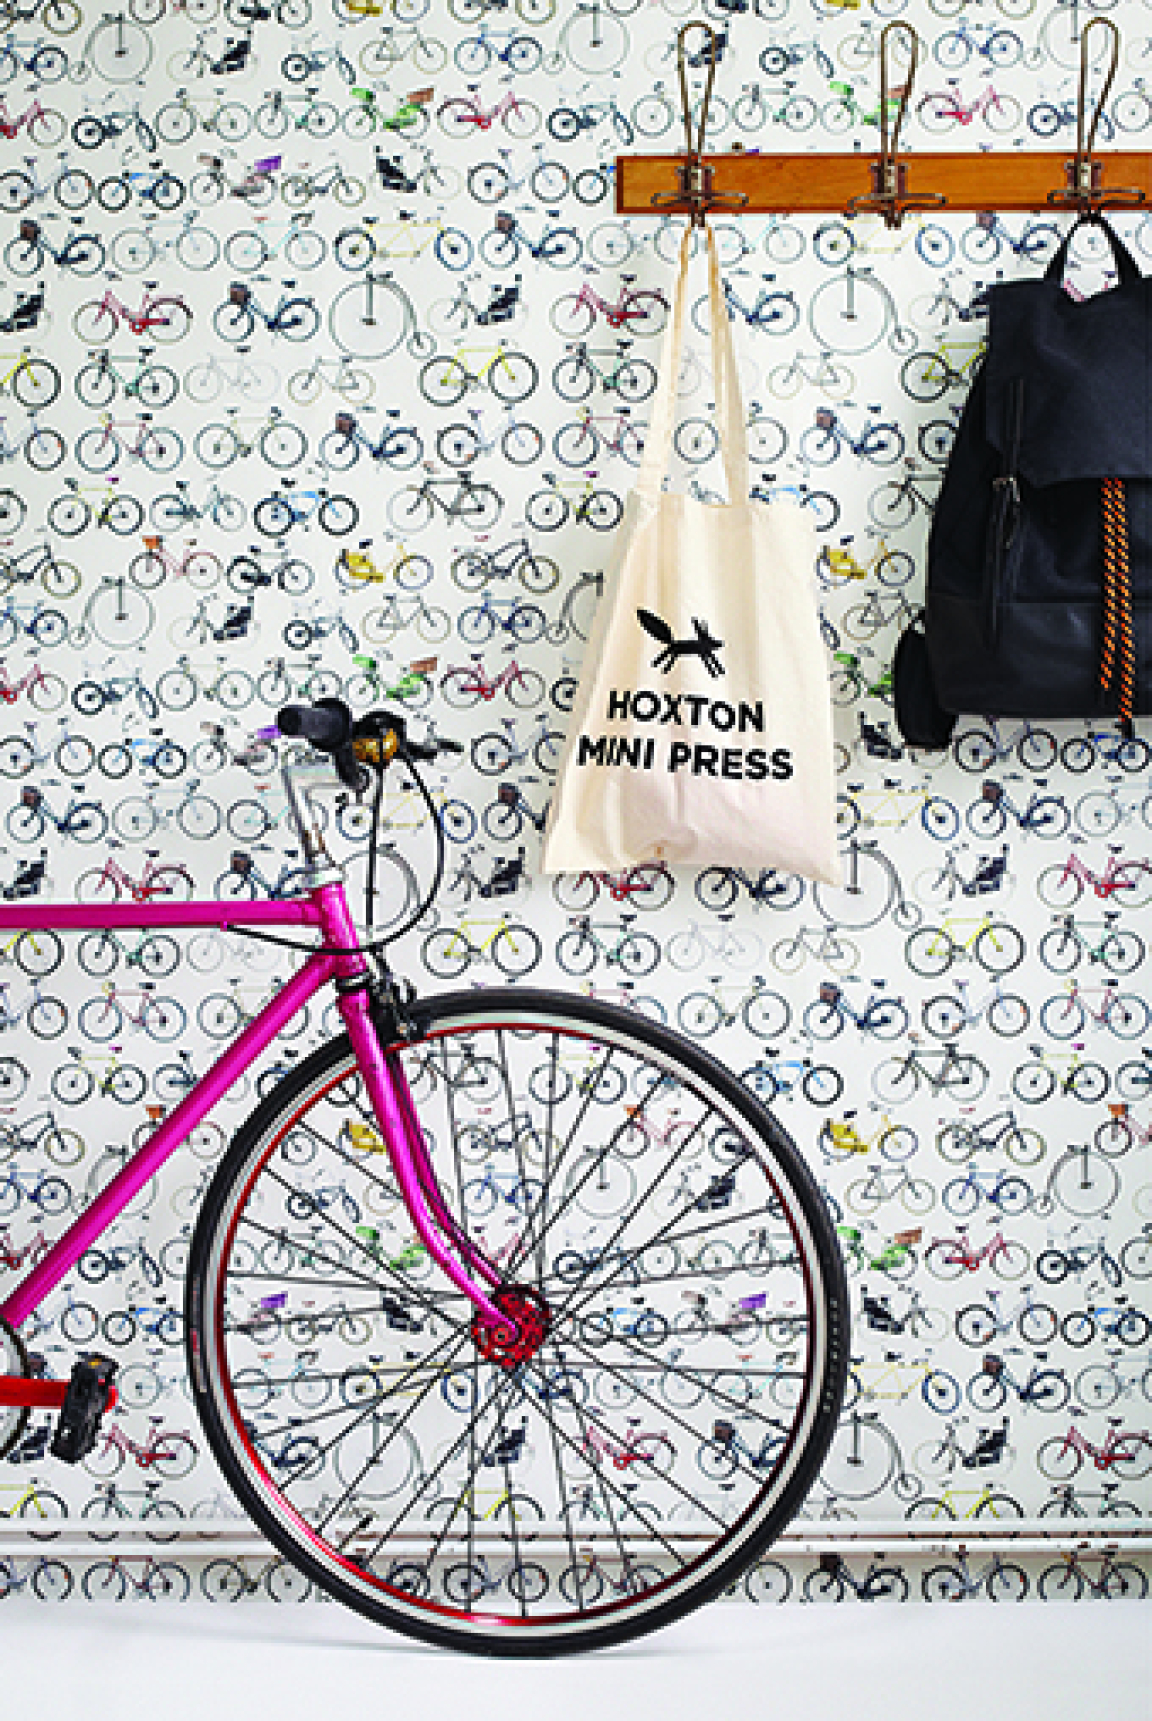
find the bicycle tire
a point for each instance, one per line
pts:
(998, 948)
(357, 327)
(1132, 1456)
(865, 898)
(51, 1581)
(768, 1582)
(282, 445)
(1006, 1582)
(338, 515)
(512, 377)
(446, 1028)
(173, 1455)
(824, 1585)
(42, 1504)
(36, 383)
(17, 191)
(1058, 1459)
(516, 950)
(862, 1459)
(1134, 1080)
(198, 817)
(575, 892)
(1090, 1190)
(17, 756)
(1136, 1257)
(47, 1018)
(38, 953)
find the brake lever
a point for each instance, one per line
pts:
(350, 771)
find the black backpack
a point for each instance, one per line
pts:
(1039, 586)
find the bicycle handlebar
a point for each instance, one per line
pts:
(331, 728)
(327, 724)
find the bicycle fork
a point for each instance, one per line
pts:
(508, 1332)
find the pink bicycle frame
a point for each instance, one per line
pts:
(325, 908)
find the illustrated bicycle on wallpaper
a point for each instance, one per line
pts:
(367, 1480)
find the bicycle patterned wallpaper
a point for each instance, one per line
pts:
(326, 370)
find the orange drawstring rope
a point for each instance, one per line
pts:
(1117, 648)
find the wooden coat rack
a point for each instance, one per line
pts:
(891, 185)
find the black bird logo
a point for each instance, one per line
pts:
(702, 644)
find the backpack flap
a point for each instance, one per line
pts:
(1085, 367)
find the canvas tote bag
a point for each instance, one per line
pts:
(701, 732)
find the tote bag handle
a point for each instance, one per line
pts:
(729, 405)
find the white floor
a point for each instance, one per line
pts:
(1086, 1661)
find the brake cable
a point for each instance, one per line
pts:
(373, 946)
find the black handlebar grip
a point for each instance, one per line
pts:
(430, 750)
(327, 724)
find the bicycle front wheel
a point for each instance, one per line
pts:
(369, 319)
(469, 1065)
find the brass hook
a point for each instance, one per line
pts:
(696, 148)
(887, 150)
(695, 175)
(889, 193)
(1085, 172)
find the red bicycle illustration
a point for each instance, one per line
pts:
(44, 125)
(27, 1254)
(952, 1257)
(465, 685)
(1128, 1454)
(111, 882)
(653, 1450)
(943, 109)
(648, 885)
(45, 692)
(169, 1453)
(1128, 880)
(644, 311)
(162, 317)
(463, 116)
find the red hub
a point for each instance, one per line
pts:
(529, 1323)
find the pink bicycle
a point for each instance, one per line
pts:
(110, 883)
(45, 126)
(944, 109)
(363, 1471)
(1129, 881)
(164, 1451)
(465, 685)
(1128, 1454)
(46, 692)
(952, 1257)
(650, 1451)
(463, 116)
(161, 317)
(12, 1258)
(642, 310)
